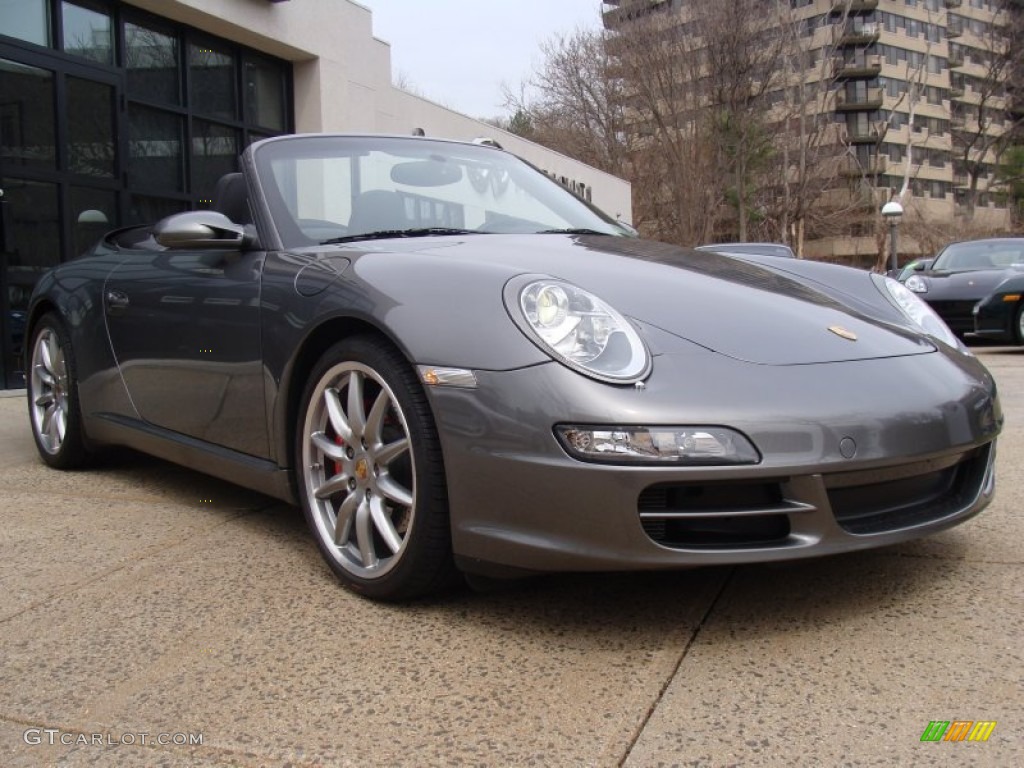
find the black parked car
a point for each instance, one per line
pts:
(911, 268)
(963, 274)
(1000, 315)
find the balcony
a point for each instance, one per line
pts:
(855, 34)
(856, 6)
(872, 166)
(951, 4)
(957, 88)
(612, 15)
(614, 12)
(955, 59)
(860, 66)
(862, 135)
(960, 179)
(848, 101)
(954, 28)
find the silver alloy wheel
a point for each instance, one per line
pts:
(360, 477)
(49, 391)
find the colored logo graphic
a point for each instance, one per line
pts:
(958, 730)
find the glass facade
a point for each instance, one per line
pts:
(87, 32)
(27, 117)
(153, 70)
(112, 116)
(27, 20)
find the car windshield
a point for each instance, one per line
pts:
(983, 254)
(331, 189)
(917, 265)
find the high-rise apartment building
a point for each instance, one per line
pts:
(920, 96)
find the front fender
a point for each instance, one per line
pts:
(417, 301)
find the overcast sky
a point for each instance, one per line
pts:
(459, 52)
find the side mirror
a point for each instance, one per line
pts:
(199, 229)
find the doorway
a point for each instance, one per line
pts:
(60, 174)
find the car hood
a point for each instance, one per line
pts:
(963, 286)
(744, 310)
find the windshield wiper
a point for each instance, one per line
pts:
(388, 233)
(579, 231)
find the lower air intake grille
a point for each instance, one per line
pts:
(724, 515)
(902, 497)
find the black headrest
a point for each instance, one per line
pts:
(376, 210)
(231, 198)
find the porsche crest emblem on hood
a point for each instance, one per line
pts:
(842, 333)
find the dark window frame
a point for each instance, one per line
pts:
(53, 58)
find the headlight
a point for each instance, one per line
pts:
(917, 284)
(578, 329)
(710, 446)
(919, 313)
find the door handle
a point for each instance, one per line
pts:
(117, 302)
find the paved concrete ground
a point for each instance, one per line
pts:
(146, 599)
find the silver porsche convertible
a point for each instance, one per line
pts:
(456, 365)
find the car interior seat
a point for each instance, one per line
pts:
(231, 198)
(376, 210)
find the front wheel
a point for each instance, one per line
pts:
(370, 472)
(1018, 325)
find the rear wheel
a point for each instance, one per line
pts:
(54, 411)
(370, 473)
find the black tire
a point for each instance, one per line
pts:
(361, 405)
(1018, 321)
(53, 407)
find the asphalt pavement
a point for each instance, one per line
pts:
(150, 615)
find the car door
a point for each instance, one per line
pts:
(184, 326)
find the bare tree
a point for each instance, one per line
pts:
(743, 61)
(722, 114)
(1010, 183)
(628, 102)
(696, 85)
(680, 190)
(574, 102)
(983, 126)
(806, 141)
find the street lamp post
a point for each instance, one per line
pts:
(892, 212)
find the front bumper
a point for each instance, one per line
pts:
(958, 314)
(854, 455)
(993, 320)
